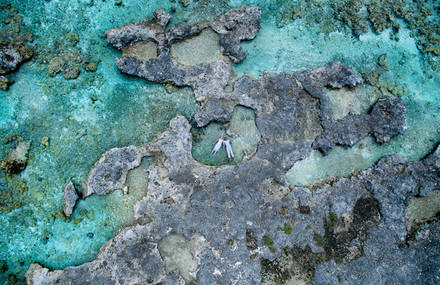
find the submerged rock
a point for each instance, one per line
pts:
(69, 198)
(16, 160)
(69, 62)
(179, 254)
(12, 54)
(13, 44)
(4, 82)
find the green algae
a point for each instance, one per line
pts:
(287, 228)
(269, 243)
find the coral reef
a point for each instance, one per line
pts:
(66, 58)
(384, 14)
(13, 44)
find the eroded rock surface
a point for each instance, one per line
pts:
(110, 171)
(352, 224)
(69, 198)
(13, 54)
(247, 220)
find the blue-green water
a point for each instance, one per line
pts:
(99, 110)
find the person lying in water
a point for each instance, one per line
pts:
(223, 141)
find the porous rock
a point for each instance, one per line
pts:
(4, 82)
(142, 266)
(69, 198)
(12, 54)
(358, 221)
(110, 171)
(287, 137)
(387, 119)
(247, 213)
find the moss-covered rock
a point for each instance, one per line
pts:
(294, 266)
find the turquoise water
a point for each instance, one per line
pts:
(99, 110)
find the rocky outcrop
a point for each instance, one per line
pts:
(340, 227)
(386, 120)
(69, 198)
(273, 97)
(231, 224)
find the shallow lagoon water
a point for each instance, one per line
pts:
(86, 116)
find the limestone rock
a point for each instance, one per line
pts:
(358, 221)
(235, 26)
(387, 119)
(246, 214)
(161, 17)
(110, 171)
(143, 265)
(69, 198)
(39, 275)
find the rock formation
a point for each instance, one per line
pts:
(69, 198)
(243, 224)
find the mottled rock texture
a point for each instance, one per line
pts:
(12, 55)
(69, 198)
(352, 224)
(110, 171)
(251, 226)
